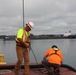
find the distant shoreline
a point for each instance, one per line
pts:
(41, 37)
(44, 38)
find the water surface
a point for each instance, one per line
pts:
(67, 46)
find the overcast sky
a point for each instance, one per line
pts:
(49, 16)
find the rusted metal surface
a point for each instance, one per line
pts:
(8, 69)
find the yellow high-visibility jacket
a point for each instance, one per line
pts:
(24, 35)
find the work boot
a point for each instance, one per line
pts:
(57, 71)
(50, 73)
(16, 73)
(25, 74)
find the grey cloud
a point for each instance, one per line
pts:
(49, 16)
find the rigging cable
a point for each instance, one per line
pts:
(36, 61)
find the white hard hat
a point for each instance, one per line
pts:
(31, 25)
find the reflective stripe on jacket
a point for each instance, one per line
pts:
(24, 35)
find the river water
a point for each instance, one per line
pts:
(39, 47)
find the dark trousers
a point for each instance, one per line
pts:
(53, 69)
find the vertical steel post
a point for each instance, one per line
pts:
(23, 12)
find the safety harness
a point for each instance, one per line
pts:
(55, 53)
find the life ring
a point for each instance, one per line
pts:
(4, 72)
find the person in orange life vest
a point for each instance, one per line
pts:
(55, 59)
(22, 48)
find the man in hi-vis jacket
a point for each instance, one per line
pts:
(22, 48)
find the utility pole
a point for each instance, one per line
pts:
(23, 12)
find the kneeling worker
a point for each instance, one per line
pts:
(54, 60)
